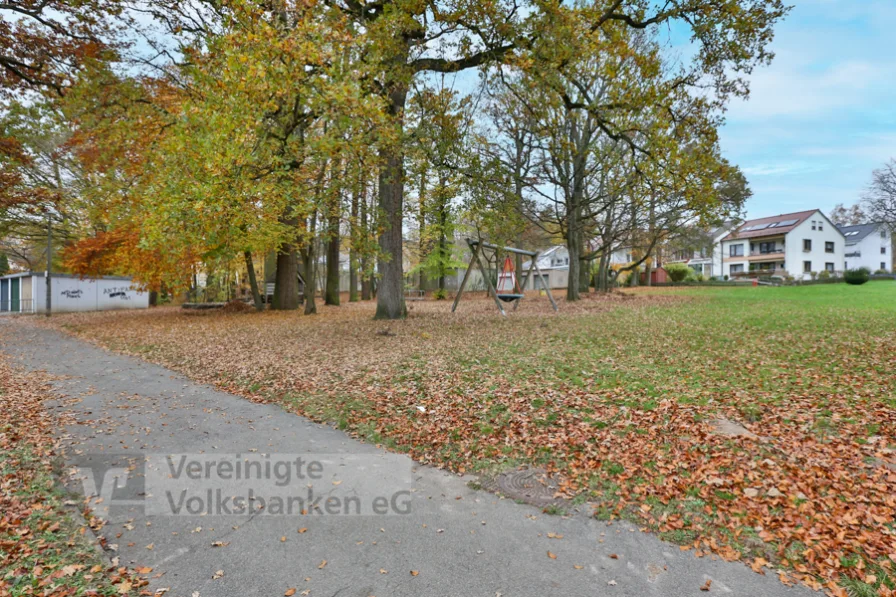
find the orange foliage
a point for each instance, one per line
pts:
(119, 252)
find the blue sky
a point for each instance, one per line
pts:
(823, 115)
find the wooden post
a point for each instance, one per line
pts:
(463, 284)
(516, 303)
(545, 286)
(488, 282)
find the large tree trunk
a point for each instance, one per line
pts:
(443, 244)
(603, 274)
(253, 282)
(310, 273)
(353, 248)
(575, 252)
(332, 292)
(390, 289)
(423, 248)
(286, 283)
(365, 254)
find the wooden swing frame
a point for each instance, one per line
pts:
(475, 248)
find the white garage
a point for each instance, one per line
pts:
(26, 292)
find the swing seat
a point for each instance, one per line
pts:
(507, 298)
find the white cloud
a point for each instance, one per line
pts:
(795, 88)
(781, 169)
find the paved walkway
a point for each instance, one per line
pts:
(455, 541)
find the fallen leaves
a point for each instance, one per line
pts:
(289, 592)
(552, 555)
(217, 575)
(603, 391)
(45, 552)
(706, 585)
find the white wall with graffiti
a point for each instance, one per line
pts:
(27, 293)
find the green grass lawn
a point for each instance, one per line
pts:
(615, 396)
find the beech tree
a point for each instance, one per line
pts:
(45, 43)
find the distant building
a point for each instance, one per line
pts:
(26, 292)
(554, 266)
(797, 244)
(868, 245)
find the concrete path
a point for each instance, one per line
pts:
(454, 541)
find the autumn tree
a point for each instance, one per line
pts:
(45, 43)
(880, 198)
(41, 176)
(438, 122)
(848, 216)
(248, 159)
(410, 39)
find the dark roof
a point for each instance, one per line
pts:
(791, 220)
(861, 231)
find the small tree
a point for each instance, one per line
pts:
(678, 271)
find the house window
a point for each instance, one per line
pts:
(883, 265)
(820, 225)
(813, 225)
(883, 234)
(737, 269)
(883, 250)
(736, 251)
(807, 267)
(766, 248)
(829, 267)
(807, 244)
(828, 247)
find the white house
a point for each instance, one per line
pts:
(705, 261)
(554, 266)
(796, 244)
(26, 292)
(868, 245)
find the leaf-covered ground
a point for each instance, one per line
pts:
(616, 395)
(43, 549)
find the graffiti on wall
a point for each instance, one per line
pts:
(117, 292)
(72, 294)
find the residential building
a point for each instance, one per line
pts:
(554, 266)
(708, 260)
(797, 244)
(868, 245)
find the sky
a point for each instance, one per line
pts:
(823, 115)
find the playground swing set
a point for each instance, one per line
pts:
(508, 288)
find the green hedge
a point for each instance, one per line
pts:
(857, 276)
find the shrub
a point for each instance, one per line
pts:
(813, 275)
(440, 294)
(700, 278)
(857, 276)
(678, 272)
(726, 277)
(881, 272)
(824, 275)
